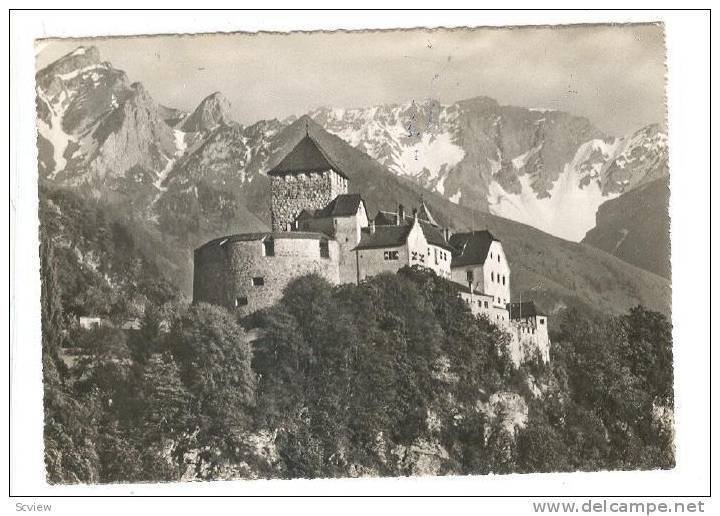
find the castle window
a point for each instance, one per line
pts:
(492, 276)
(391, 255)
(498, 258)
(241, 301)
(324, 249)
(486, 304)
(269, 247)
(469, 276)
(541, 321)
(258, 281)
(503, 279)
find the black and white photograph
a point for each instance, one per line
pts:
(356, 254)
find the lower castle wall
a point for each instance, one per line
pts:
(224, 274)
(529, 339)
(209, 275)
(528, 336)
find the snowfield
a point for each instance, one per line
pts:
(569, 211)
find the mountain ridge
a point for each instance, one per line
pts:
(186, 187)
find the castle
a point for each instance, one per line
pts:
(318, 227)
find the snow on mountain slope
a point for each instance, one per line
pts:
(569, 209)
(545, 168)
(391, 135)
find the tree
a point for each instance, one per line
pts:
(214, 359)
(168, 419)
(69, 431)
(540, 449)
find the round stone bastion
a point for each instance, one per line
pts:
(248, 272)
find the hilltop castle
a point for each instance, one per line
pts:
(318, 227)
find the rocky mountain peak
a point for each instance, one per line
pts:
(213, 111)
(78, 59)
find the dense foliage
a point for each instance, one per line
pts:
(391, 377)
(102, 267)
(376, 379)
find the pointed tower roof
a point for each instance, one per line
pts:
(424, 213)
(306, 156)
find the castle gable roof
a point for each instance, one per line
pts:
(434, 235)
(306, 156)
(344, 205)
(396, 235)
(522, 310)
(384, 236)
(472, 248)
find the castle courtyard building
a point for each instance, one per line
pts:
(401, 242)
(480, 260)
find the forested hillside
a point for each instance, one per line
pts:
(393, 377)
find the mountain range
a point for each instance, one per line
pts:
(183, 178)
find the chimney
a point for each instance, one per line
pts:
(415, 213)
(400, 215)
(372, 227)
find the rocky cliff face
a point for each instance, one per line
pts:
(212, 112)
(93, 126)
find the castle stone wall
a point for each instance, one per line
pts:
(347, 234)
(210, 268)
(238, 276)
(292, 193)
(373, 262)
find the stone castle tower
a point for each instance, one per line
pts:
(305, 179)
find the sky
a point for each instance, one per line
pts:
(612, 74)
